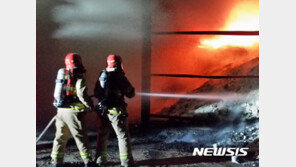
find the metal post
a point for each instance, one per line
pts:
(206, 33)
(146, 61)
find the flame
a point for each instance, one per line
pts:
(243, 17)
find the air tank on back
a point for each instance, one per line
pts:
(59, 93)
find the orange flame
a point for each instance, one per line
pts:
(243, 17)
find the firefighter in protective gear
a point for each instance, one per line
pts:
(71, 111)
(110, 89)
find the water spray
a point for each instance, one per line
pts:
(205, 96)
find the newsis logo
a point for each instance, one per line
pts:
(231, 151)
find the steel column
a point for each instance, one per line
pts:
(146, 61)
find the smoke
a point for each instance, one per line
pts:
(242, 109)
(92, 19)
(112, 19)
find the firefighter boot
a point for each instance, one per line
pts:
(101, 161)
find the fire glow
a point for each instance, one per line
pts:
(243, 17)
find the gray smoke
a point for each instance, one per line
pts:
(243, 108)
(92, 19)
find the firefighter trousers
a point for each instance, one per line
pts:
(115, 118)
(70, 122)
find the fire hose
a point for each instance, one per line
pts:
(46, 128)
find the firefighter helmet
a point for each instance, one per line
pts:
(114, 61)
(73, 60)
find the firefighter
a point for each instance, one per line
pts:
(72, 102)
(110, 89)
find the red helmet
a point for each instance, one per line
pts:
(73, 60)
(113, 61)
